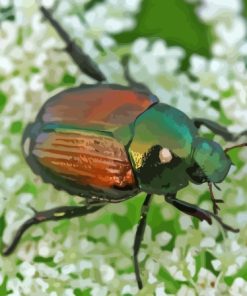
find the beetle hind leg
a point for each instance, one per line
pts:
(197, 212)
(59, 213)
(82, 60)
(218, 129)
(139, 236)
(127, 75)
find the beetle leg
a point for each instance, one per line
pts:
(218, 129)
(197, 212)
(139, 236)
(215, 201)
(83, 61)
(134, 84)
(59, 213)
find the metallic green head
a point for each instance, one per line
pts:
(211, 162)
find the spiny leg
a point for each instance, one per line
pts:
(218, 129)
(59, 213)
(132, 82)
(83, 61)
(197, 212)
(215, 201)
(139, 236)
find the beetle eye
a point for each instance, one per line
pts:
(165, 155)
(196, 174)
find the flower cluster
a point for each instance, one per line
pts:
(92, 255)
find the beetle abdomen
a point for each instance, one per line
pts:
(85, 159)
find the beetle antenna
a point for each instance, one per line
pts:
(235, 146)
(214, 200)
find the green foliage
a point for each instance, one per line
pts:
(7, 13)
(3, 100)
(68, 79)
(175, 22)
(47, 260)
(79, 292)
(16, 127)
(3, 287)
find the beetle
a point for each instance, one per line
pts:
(107, 142)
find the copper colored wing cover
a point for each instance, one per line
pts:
(102, 107)
(85, 158)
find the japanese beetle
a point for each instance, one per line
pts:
(107, 142)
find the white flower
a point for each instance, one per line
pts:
(186, 291)
(99, 290)
(107, 273)
(239, 287)
(233, 34)
(58, 256)
(43, 249)
(42, 284)
(211, 10)
(160, 291)
(6, 66)
(67, 269)
(176, 267)
(185, 222)
(14, 284)
(127, 289)
(26, 269)
(208, 242)
(206, 282)
(69, 292)
(163, 238)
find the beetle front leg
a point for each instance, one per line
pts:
(218, 129)
(82, 60)
(197, 212)
(139, 236)
(59, 213)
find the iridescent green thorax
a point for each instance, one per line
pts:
(162, 126)
(192, 158)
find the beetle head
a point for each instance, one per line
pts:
(211, 163)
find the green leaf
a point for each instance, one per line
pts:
(29, 188)
(172, 285)
(174, 21)
(79, 292)
(68, 79)
(62, 227)
(3, 100)
(47, 260)
(240, 274)
(208, 263)
(16, 127)
(3, 287)
(7, 13)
